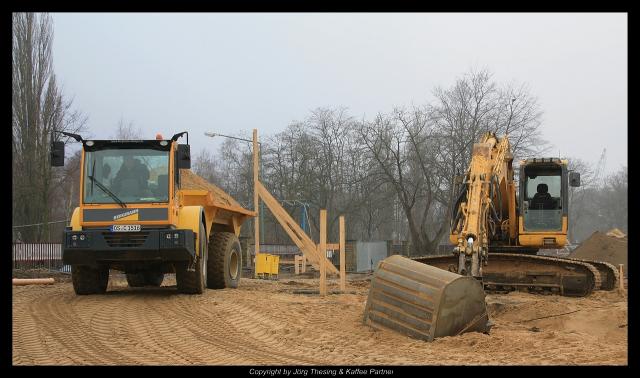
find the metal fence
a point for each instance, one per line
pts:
(39, 256)
(35, 233)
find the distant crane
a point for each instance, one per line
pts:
(598, 176)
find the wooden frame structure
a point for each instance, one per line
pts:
(312, 252)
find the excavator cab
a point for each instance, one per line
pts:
(543, 202)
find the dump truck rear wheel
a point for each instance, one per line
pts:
(225, 263)
(194, 282)
(135, 279)
(153, 278)
(89, 280)
(145, 278)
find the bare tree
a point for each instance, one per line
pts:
(127, 131)
(401, 146)
(419, 151)
(614, 200)
(38, 109)
(206, 166)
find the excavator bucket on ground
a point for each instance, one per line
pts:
(423, 301)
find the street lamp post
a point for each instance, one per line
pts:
(260, 234)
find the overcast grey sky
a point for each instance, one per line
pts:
(232, 72)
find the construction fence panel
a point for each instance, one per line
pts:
(368, 254)
(38, 256)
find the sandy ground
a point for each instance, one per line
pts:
(265, 323)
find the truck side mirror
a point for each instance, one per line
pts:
(184, 156)
(574, 179)
(57, 154)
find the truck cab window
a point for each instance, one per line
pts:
(133, 175)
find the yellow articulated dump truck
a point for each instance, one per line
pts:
(143, 212)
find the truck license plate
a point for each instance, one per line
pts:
(125, 228)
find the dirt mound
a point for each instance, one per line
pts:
(616, 233)
(601, 247)
(189, 180)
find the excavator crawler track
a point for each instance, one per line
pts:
(609, 275)
(506, 272)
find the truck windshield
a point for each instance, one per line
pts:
(132, 175)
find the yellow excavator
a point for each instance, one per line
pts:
(496, 229)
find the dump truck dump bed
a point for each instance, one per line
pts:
(220, 207)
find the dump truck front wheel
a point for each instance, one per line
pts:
(89, 280)
(145, 278)
(225, 262)
(194, 281)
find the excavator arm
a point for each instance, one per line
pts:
(485, 211)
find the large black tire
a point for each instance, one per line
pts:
(145, 278)
(153, 278)
(225, 261)
(89, 280)
(194, 282)
(135, 279)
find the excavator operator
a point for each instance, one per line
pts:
(542, 199)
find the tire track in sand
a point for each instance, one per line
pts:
(229, 346)
(67, 321)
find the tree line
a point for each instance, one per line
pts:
(391, 176)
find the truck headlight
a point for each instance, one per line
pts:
(77, 240)
(173, 239)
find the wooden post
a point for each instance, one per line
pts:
(256, 200)
(323, 250)
(621, 285)
(296, 264)
(303, 259)
(343, 270)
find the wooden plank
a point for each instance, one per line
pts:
(297, 235)
(330, 246)
(323, 249)
(621, 273)
(32, 281)
(343, 278)
(256, 199)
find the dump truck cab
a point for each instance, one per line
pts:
(133, 217)
(128, 205)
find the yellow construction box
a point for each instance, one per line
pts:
(267, 265)
(275, 263)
